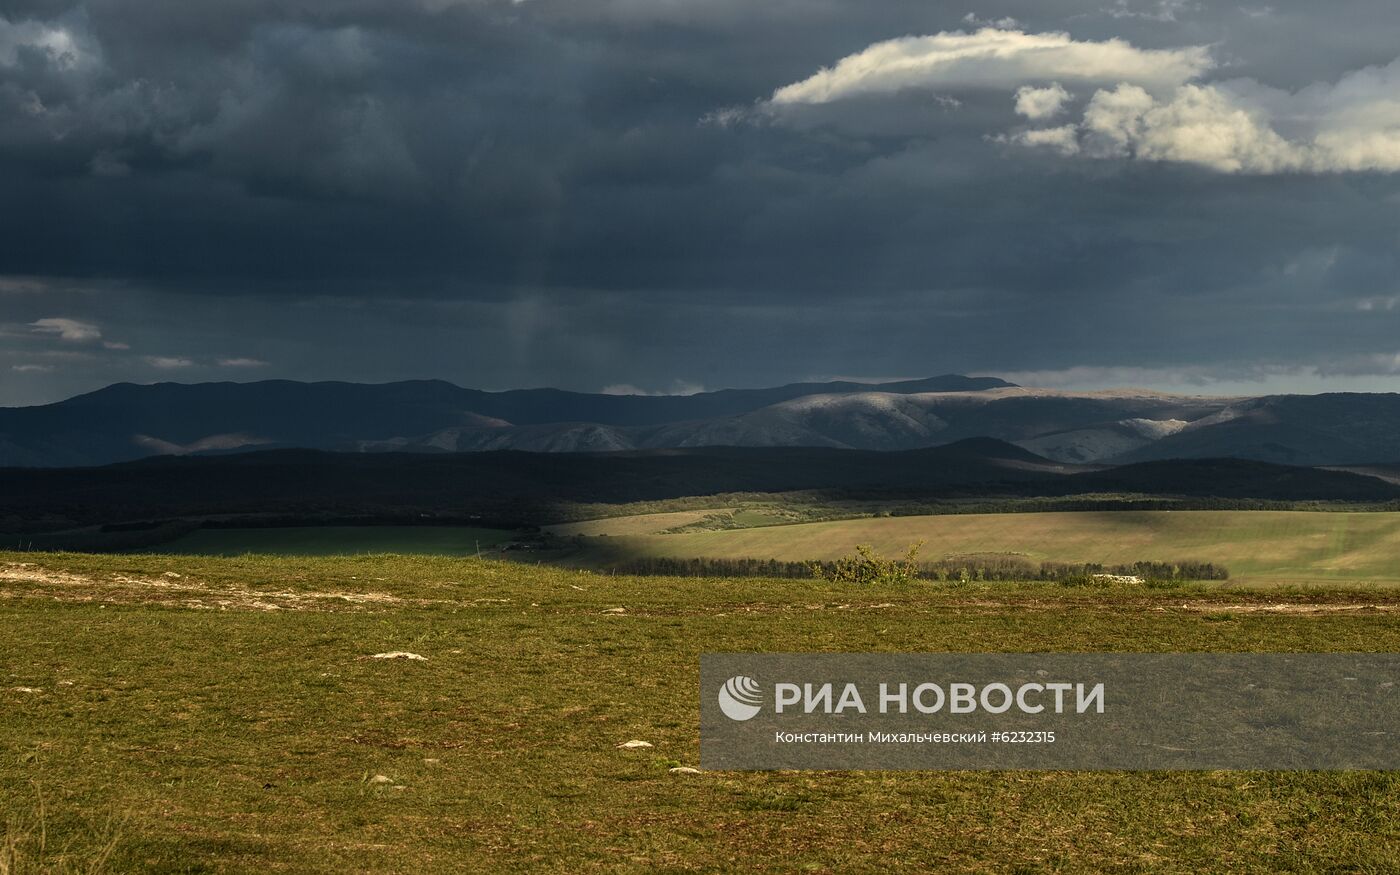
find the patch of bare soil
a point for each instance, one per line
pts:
(1291, 608)
(176, 590)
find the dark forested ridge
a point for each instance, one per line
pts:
(524, 486)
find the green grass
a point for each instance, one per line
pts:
(338, 541)
(212, 715)
(1265, 547)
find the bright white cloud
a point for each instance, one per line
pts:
(1113, 120)
(1041, 103)
(1146, 104)
(1064, 139)
(1352, 125)
(1198, 125)
(1203, 125)
(993, 58)
(70, 330)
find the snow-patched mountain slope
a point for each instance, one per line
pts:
(868, 420)
(1339, 428)
(128, 422)
(1064, 426)
(880, 420)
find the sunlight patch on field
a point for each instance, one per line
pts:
(1257, 546)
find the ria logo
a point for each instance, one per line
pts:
(740, 698)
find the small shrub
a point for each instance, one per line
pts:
(1155, 575)
(1081, 580)
(865, 566)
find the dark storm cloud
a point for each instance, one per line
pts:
(584, 192)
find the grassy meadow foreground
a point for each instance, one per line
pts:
(339, 541)
(176, 714)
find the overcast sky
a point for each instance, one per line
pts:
(674, 194)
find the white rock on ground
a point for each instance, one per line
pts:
(634, 744)
(683, 770)
(399, 654)
(381, 779)
(615, 611)
(1117, 578)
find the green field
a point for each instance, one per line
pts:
(180, 714)
(338, 541)
(1259, 547)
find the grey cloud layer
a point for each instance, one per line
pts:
(570, 192)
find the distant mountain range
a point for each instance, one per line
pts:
(126, 422)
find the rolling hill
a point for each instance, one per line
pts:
(1343, 428)
(526, 487)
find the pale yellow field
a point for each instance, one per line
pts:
(1257, 546)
